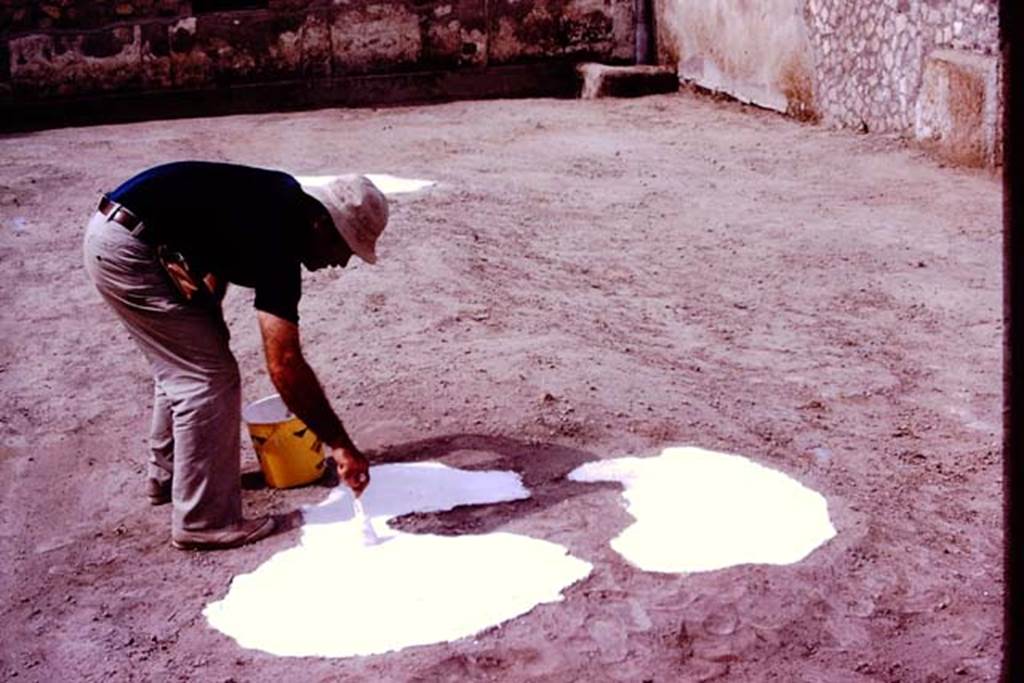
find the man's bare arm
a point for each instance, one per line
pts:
(301, 392)
(296, 382)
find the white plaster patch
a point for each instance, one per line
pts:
(697, 510)
(333, 596)
(388, 184)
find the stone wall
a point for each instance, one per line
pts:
(870, 56)
(921, 68)
(860, 65)
(81, 48)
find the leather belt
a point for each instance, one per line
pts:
(123, 216)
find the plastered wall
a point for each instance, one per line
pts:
(756, 50)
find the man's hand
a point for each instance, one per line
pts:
(353, 468)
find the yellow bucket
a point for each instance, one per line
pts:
(290, 454)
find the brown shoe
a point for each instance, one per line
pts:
(244, 532)
(158, 492)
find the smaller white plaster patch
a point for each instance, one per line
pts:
(335, 596)
(388, 184)
(697, 510)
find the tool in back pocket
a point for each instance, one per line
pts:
(191, 287)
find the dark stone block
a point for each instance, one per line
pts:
(298, 6)
(16, 15)
(527, 31)
(156, 56)
(58, 46)
(286, 23)
(75, 64)
(517, 11)
(5, 62)
(210, 6)
(182, 40)
(156, 38)
(99, 44)
(245, 47)
(454, 33)
(385, 36)
(172, 8)
(589, 29)
(19, 16)
(316, 45)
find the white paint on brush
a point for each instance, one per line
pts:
(388, 184)
(697, 510)
(333, 596)
(366, 529)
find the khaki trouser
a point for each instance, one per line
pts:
(194, 435)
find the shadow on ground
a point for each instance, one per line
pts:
(542, 466)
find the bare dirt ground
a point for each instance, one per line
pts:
(588, 280)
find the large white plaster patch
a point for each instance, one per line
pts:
(332, 596)
(697, 510)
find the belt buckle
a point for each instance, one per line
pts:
(138, 232)
(122, 215)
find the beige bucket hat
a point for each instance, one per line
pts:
(359, 211)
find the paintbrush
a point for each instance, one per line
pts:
(365, 526)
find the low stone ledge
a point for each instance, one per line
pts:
(957, 113)
(601, 80)
(540, 79)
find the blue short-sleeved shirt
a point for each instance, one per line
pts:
(240, 223)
